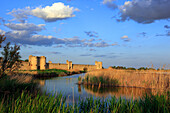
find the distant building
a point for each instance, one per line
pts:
(39, 63)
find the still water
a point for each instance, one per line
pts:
(68, 87)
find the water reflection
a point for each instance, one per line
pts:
(124, 92)
(68, 87)
(79, 89)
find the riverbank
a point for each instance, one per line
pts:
(128, 78)
(49, 73)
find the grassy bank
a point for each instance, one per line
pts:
(129, 78)
(48, 73)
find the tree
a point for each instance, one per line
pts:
(10, 57)
(26, 60)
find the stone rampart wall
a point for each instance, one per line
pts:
(82, 67)
(25, 66)
(57, 66)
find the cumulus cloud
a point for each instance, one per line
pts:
(28, 38)
(145, 11)
(125, 38)
(92, 34)
(58, 11)
(110, 3)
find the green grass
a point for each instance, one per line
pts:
(48, 73)
(52, 73)
(57, 104)
(97, 80)
(57, 71)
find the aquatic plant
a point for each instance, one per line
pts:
(101, 80)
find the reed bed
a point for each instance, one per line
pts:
(131, 78)
(26, 103)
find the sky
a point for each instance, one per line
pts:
(131, 33)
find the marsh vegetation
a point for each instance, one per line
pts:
(129, 78)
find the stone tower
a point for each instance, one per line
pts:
(42, 63)
(33, 62)
(70, 65)
(36, 62)
(98, 65)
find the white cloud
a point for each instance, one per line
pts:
(31, 38)
(125, 38)
(20, 14)
(110, 3)
(57, 11)
(145, 11)
(25, 26)
(41, 36)
(91, 40)
(27, 34)
(74, 40)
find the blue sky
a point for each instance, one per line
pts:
(131, 33)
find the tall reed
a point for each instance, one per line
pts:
(57, 104)
(134, 78)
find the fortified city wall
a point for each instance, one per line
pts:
(39, 63)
